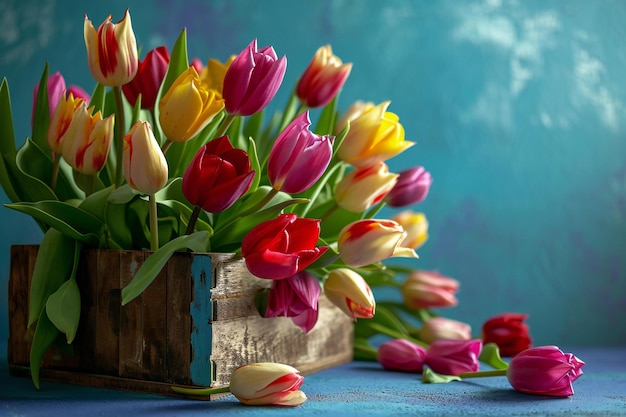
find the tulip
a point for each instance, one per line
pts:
(427, 289)
(111, 51)
(368, 241)
(86, 142)
(213, 74)
(295, 297)
(376, 135)
(509, 332)
(148, 79)
(56, 90)
(401, 355)
(544, 370)
(416, 227)
(78, 92)
(454, 357)
(355, 110)
(412, 188)
(187, 107)
(299, 157)
(253, 79)
(323, 78)
(364, 187)
(145, 167)
(197, 64)
(348, 290)
(217, 176)
(282, 247)
(267, 384)
(61, 120)
(437, 328)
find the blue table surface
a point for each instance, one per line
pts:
(357, 388)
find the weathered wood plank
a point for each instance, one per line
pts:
(131, 320)
(178, 321)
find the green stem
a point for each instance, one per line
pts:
(200, 391)
(119, 143)
(395, 334)
(55, 172)
(154, 223)
(483, 374)
(330, 211)
(193, 219)
(228, 120)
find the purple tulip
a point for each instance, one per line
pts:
(295, 297)
(411, 188)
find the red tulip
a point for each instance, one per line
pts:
(323, 78)
(295, 297)
(544, 370)
(401, 355)
(454, 357)
(299, 157)
(148, 79)
(252, 80)
(509, 332)
(282, 247)
(412, 188)
(217, 176)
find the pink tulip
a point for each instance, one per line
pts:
(282, 247)
(454, 357)
(412, 188)
(252, 80)
(401, 355)
(295, 297)
(437, 328)
(56, 89)
(544, 370)
(427, 289)
(299, 157)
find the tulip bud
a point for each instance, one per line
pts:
(348, 290)
(61, 120)
(544, 370)
(295, 297)
(369, 241)
(454, 357)
(217, 176)
(252, 80)
(148, 79)
(111, 51)
(299, 157)
(364, 187)
(412, 188)
(416, 227)
(375, 135)
(427, 289)
(267, 384)
(282, 247)
(401, 355)
(438, 328)
(322, 79)
(187, 107)
(56, 89)
(144, 164)
(86, 142)
(509, 332)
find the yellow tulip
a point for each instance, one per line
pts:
(213, 74)
(188, 106)
(375, 135)
(144, 164)
(267, 383)
(364, 187)
(348, 290)
(416, 227)
(61, 120)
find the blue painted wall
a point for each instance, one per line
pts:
(517, 108)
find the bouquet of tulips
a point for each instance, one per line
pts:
(170, 155)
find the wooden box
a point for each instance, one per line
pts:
(192, 326)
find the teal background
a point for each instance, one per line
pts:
(517, 108)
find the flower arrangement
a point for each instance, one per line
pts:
(169, 155)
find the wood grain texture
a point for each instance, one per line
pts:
(152, 342)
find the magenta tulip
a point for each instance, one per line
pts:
(454, 357)
(544, 370)
(299, 157)
(295, 297)
(282, 247)
(401, 355)
(412, 188)
(217, 176)
(252, 80)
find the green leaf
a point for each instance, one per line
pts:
(328, 117)
(63, 308)
(179, 62)
(254, 164)
(45, 335)
(42, 112)
(196, 242)
(364, 351)
(70, 220)
(385, 322)
(490, 355)
(6, 180)
(96, 203)
(98, 98)
(53, 266)
(7, 135)
(430, 377)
